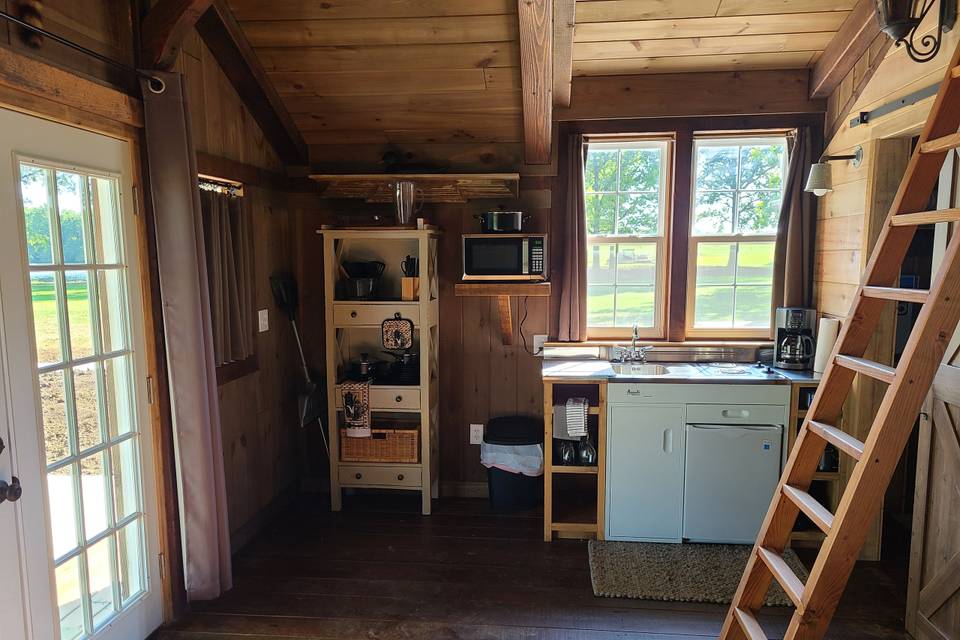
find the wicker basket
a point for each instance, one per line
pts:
(384, 445)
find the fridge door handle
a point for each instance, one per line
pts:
(667, 443)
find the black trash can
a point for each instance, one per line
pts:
(514, 491)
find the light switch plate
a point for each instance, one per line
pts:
(538, 341)
(476, 434)
(263, 318)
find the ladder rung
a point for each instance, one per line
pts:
(840, 439)
(895, 293)
(955, 72)
(924, 217)
(939, 145)
(875, 370)
(809, 505)
(751, 628)
(791, 584)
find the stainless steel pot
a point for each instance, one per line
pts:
(501, 221)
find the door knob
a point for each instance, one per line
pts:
(12, 491)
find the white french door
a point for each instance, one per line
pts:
(78, 557)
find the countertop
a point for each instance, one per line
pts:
(560, 369)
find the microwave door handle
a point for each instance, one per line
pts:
(525, 257)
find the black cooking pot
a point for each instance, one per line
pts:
(368, 269)
(501, 221)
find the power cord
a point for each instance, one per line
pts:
(523, 319)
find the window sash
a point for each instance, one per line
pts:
(659, 289)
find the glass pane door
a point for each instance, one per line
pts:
(84, 366)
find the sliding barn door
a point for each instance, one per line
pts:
(933, 599)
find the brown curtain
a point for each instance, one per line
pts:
(572, 246)
(194, 405)
(793, 257)
(229, 249)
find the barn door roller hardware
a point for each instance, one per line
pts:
(894, 105)
(900, 19)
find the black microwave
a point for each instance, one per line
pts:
(505, 256)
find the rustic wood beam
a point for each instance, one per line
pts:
(223, 36)
(564, 18)
(717, 93)
(163, 29)
(851, 41)
(878, 49)
(536, 72)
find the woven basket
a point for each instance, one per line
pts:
(384, 445)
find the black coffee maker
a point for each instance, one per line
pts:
(794, 346)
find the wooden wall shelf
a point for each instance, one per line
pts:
(502, 292)
(435, 187)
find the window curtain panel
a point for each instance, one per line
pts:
(229, 252)
(572, 323)
(189, 341)
(793, 255)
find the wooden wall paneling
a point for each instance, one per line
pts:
(668, 95)
(536, 63)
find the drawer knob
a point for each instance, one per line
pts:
(358, 476)
(399, 398)
(353, 314)
(399, 476)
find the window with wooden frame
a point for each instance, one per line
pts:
(737, 191)
(626, 197)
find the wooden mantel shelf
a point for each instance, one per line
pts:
(435, 187)
(502, 292)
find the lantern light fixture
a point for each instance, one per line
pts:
(820, 180)
(900, 20)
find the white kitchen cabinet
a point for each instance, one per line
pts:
(645, 452)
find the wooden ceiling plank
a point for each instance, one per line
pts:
(681, 64)
(163, 29)
(384, 31)
(757, 7)
(377, 82)
(722, 45)
(490, 102)
(405, 136)
(852, 40)
(621, 10)
(563, 25)
(536, 66)
(708, 27)
(399, 120)
(341, 9)
(226, 41)
(468, 55)
(690, 94)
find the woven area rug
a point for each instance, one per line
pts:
(677, 572)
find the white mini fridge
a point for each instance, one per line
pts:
(730, 474)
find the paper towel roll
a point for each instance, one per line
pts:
(826, 338)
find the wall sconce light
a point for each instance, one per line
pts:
(899, 19)
(820, 180)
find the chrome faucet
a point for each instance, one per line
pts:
(634, 353)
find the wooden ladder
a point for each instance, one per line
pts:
(907, 386)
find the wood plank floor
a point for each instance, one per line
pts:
(380, 571)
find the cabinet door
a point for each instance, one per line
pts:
(644, 472)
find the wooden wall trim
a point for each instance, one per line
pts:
(536, 69)
(163, 29)
(697, 123)
(44, 85)
(690, 94)
(851, 41)
(680, 235)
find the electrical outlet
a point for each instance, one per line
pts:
(263, 318)
(538, 341)
(476, 434)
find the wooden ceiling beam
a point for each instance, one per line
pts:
(223, 36)
(536, 67)
(164, 28)
(851, 41)
(717, 93)
(564, 19)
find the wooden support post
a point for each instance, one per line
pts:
(506, 319)
(164, 28)
(536, 71)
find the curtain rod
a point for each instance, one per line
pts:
(223, 186)
(89, 52)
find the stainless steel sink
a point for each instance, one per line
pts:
(633, 370)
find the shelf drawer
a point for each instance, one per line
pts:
(369, 314)
(379, 476)
(735, 414)
(399, 398)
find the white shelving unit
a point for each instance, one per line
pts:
(353, 326)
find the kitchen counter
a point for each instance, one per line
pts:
(563, 369)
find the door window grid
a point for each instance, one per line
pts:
(78, 577)
(610, 238)
(749, 300)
